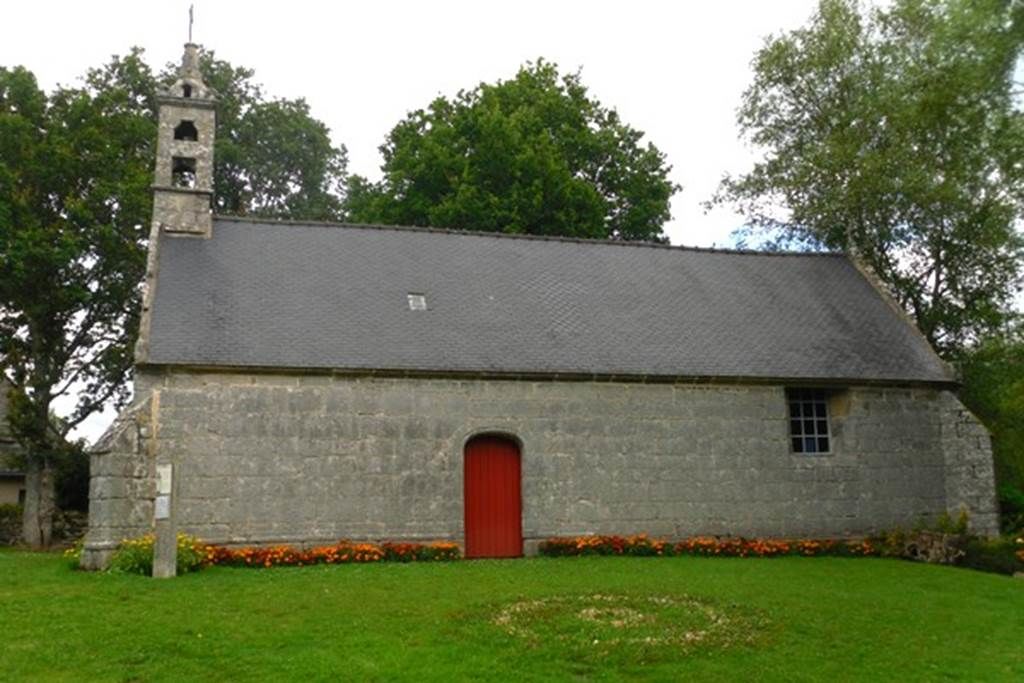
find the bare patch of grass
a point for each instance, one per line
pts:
(632, 626)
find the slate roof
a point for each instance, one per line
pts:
(286, 295)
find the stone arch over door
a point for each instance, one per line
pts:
(492, 496)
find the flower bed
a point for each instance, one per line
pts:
(343, 552)
(641, 545)
(135, 555)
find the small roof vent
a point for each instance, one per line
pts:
(417, 302)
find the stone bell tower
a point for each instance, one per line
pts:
(183, 182)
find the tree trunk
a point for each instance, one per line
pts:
(40, 496)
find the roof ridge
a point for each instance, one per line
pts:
(543, 238)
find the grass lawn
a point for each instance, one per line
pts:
(598, 618)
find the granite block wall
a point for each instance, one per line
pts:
(264, 458)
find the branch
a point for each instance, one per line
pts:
(84, 410)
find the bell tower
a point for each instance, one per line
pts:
(183, 182)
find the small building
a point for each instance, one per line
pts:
(302, 383)
(12, 487)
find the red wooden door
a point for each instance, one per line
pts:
(491, 497)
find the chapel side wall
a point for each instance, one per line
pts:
(277, 458)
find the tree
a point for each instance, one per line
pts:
(893, 133)
(993, 387)
(271, 158)
(74, 176)
(75, 203)
(532, 155)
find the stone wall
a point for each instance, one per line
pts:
(203, 116)
(121, 484)
(970, 470)
(276, 458)
(184, 209)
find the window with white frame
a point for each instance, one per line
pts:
(808, 421)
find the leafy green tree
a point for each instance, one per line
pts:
(535, 154)
(76, 168)
(271, 157)
(893, 133)
(993, 387)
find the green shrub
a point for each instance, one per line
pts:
(135, 556)
(1011, 508)
(993, 388)
(191, 554)
(941, 541)
(999, 555)
(947, 525)
(10, 524)
(73, 555)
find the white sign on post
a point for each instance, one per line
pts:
(163, 507)
(163, 480)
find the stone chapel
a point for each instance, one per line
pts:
(303, 383)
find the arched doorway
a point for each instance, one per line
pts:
(491, 497)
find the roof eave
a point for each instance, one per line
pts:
(551, 376)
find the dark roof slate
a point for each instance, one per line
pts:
(284, 295)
